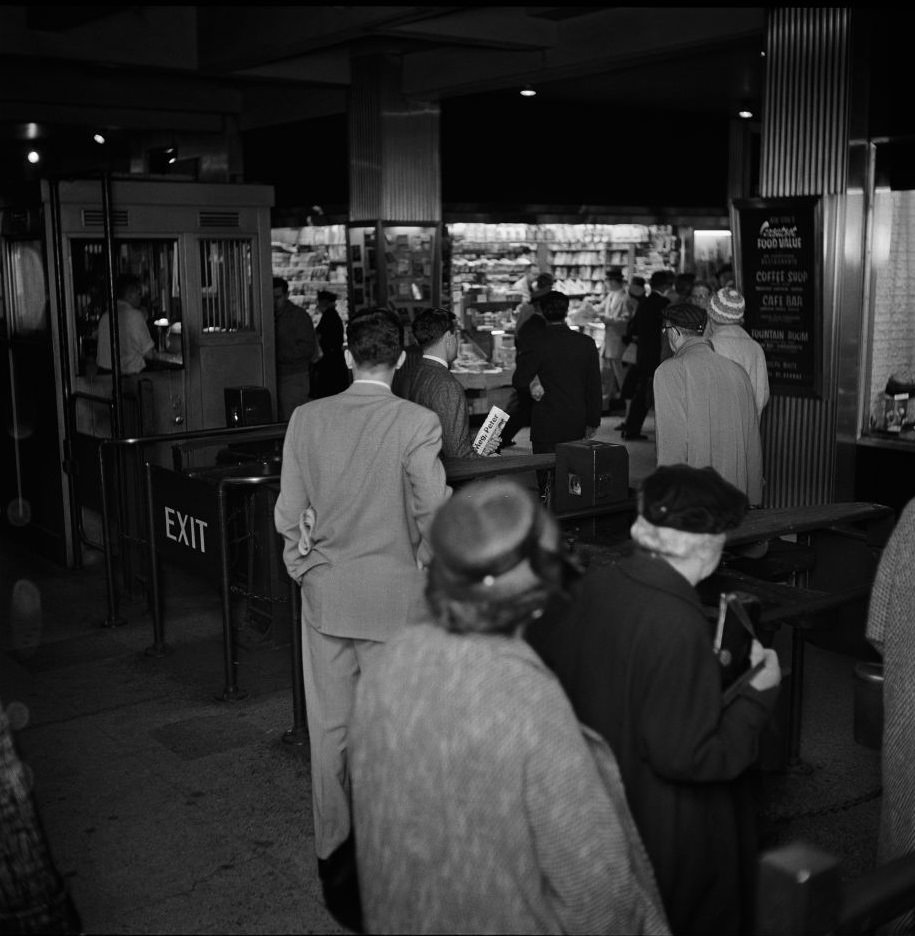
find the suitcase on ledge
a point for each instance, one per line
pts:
(589, 474)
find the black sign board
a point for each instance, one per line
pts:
(185, 521)
(779, 275)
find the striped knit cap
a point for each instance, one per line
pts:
(727, 306)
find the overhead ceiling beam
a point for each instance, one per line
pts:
(234, 38)
(55, 18)
(585, 47)
(123, 118)
(483, 27)
(139, 36)
(33, 83)
(269, 106)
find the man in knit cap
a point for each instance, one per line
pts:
(725, 330)
(705, 412)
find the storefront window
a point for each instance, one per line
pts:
(312, 259)
(891, 386)
(227, 285)
(155, 263)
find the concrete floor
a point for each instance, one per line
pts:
(170, 811)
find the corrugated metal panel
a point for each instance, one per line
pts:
(412, 190)
(804, 152)
(394, 147)
(365, 141)
(805, 120)
(799, 451)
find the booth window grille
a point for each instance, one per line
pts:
(227, 285)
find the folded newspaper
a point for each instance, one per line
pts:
(492, 428)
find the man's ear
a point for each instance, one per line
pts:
(400, 360)
(348, 357)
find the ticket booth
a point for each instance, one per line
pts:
(201, 252)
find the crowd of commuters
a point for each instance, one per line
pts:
(490, 730)
(499, 741)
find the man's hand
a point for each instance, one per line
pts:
(537, 390)
(490, 447)
(590, 431)
(771, 673)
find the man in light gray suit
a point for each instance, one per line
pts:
(361, 480)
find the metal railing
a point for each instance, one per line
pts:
(247, 433)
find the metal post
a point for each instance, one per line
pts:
(159, 647)
(231, 693)
(113, 323)
(298, 733)
(113, 619)
(796, 695)
(75, 508)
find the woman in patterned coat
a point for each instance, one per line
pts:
(479, 803)
(891, 629)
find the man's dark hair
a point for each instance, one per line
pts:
(375, 338)
(280, 283)
(124, 283)
(431, 324)
(684, 283)
(637, 281)
(661, 280)
(554, 306)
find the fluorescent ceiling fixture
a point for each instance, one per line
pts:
(31, 131)
(527, 91)
(33, 156)
(713, 233)
(745, 114)
(99, 138)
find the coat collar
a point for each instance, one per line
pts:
(369, 388)
(656, 572)
(694, 344)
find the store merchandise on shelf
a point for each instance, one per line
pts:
(409, 267)
(488, 259)
(311, 259)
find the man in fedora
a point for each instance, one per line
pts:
(705, 411)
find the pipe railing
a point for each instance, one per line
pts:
(231, 691)
(246, 433)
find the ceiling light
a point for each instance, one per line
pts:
(32, 131)
(99, 138)
(171, 155)
(745, 113)
(33, 156)
(527, 91)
